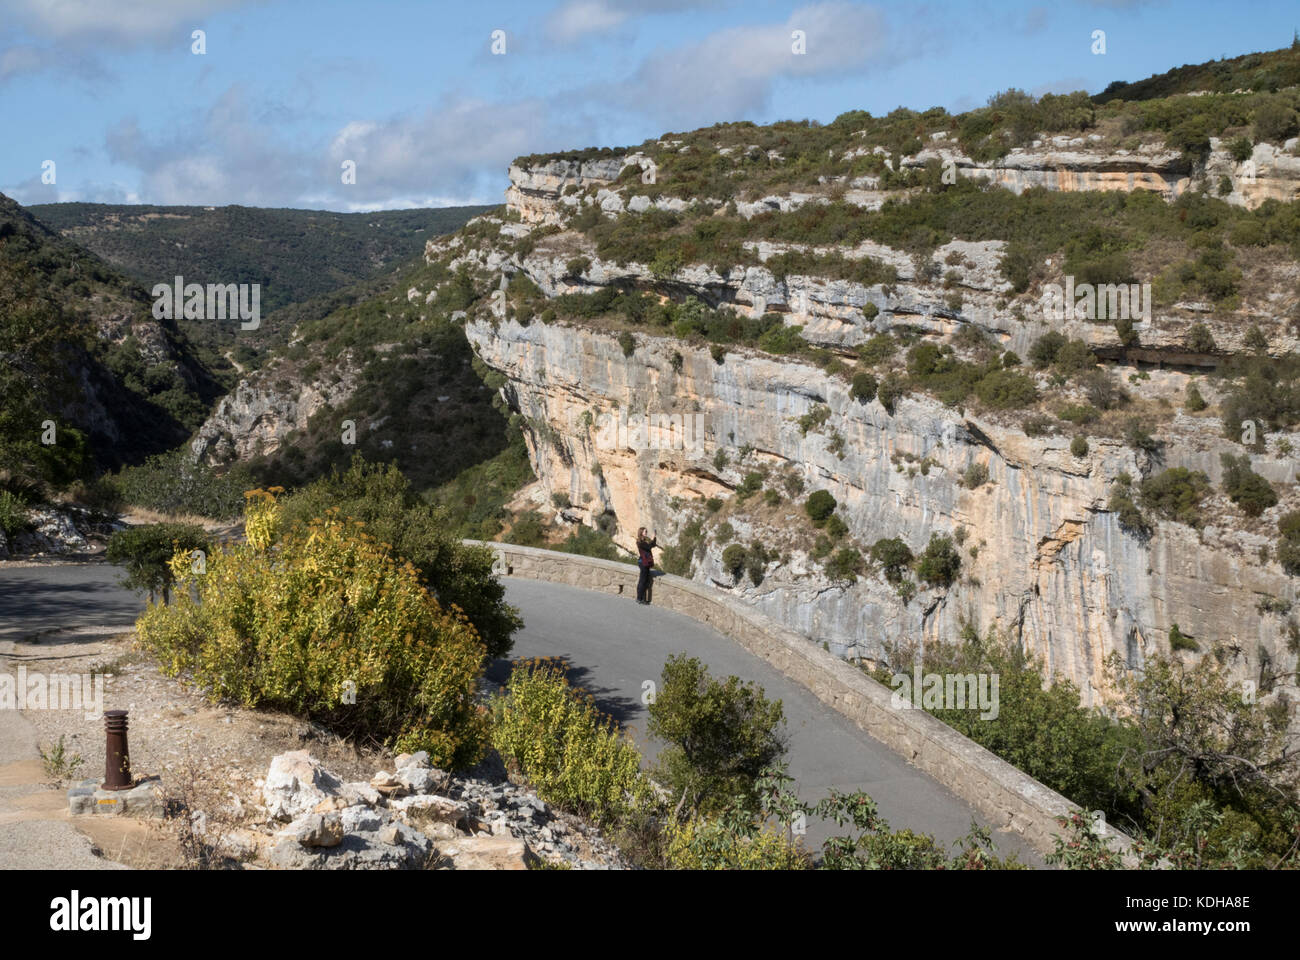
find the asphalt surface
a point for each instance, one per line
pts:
(612, 647)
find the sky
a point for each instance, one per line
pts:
(118, 101)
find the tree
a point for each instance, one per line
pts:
(939, 564)
(1200, 340)
(894, 557)
(1246, 488)
(819, 507)
(145, 551)
(720, 735)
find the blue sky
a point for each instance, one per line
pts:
(287, 90)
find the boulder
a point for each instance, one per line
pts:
(489, 853)
(295, 784)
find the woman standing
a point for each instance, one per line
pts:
(646, 561)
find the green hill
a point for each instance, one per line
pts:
(82, 352)
(294, 255)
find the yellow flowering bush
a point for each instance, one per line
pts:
(327, 623)
(707, 843)
(574, 756)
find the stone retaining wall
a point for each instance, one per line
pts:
(1004, 796)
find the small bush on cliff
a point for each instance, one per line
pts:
(721, 736)
(733, 560)
(1176, 494)
(1079, 447)
(325, 612)
(1246, 488)
(1121, 503)
(1180, 641)
(892, 389)
(939, 564)
(819, 506)
(1194, 403)
(1288, 544)
(1200, 340)
(573, 754)
(627, 342)
(864, 387)
(893, 556)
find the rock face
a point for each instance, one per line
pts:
(537, 192)
(263, 410)
(1054, 568)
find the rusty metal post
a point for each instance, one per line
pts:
(117, 761)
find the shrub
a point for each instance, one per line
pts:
(975, 475)
(1176, 494)
(1129, 516)
(835, 527)
(1010, 359)
(1180, 641)
(720, 736)
(1138, 438)
(1200, 340)
(733, 560)
(713, 504)
(577, 266)
(574, 756)
(783, 340)
(894, 557)
(327, 611)
(1288, 544)
(892, 389)
(844, 565)
(1194, 403)
(1043, 351)
(864, 387)
(819, 506)
(1079, 447)
(460, 575)
(718, 352)
(1005, 390)
(877, 350)
(146, 551)
(1080, 414)
(172, 483)
(1244, 487)
(708, 843)
(13, 514)
(940, 563)
(627, 342)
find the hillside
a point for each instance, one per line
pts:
(295, 255)
(81, 349)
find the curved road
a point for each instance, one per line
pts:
(612, 647)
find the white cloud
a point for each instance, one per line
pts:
(730, 74)
(118, 21)
(576, 19)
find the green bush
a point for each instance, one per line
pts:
(845, 564)
(172, 483)
(1194, 403)
(1043, 351)
(877, 350)
(459, 575)
(1288, 544)
(1176, 494)
(13, 514)
(1079, 447)
(892, 389)
(733, 560)
(819, 507)
(1246, 488)
(939, 564)
(894, 557)
(1130, 517)
(145, 551)
(835, 527)
(571, 753)
(1006, 390)
(627, 342)
(301, 622)
(1180, 641)
(975, 476)
(864, 387)
(720, 736)
(1200, 340)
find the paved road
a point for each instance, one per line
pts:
(57, 595)
(612, 646)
